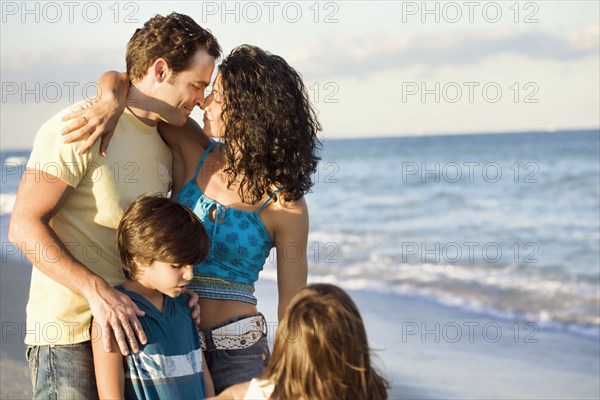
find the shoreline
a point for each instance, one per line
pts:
(413, 135)
(425, 350)
(14, 372)
(431, 351)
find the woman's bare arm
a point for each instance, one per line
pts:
(291, 240)
(99, 116)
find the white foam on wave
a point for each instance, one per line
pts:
(7, 202)
(334, 237)
(510, 293)
(510, 278)
(543, 319)
(14, 160)
(269, 273)
(589, 331)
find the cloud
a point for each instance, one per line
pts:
(60, 65)
(360, 55)
(587, 39)
(337, 56)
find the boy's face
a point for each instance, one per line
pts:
(167, 278)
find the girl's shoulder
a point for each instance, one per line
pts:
(259, 389)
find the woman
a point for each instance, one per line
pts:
(248, 189)
(320, 352)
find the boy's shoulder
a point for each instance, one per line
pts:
(179, 303)
(183, 310)
(138, 299)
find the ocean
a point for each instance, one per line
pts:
(507, 225)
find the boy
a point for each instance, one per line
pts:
(159, 241)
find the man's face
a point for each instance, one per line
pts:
(181, 93)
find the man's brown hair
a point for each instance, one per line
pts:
(176, 38)
(155, 228)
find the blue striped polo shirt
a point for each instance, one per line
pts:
(169, 365)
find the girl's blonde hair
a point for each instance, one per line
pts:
(321, 350)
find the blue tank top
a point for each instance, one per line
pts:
(240, 244)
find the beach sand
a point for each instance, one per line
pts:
(430, 351)
(426, 350)
(14, 373)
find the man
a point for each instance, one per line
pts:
(69, 206)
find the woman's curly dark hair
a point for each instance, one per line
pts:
(270, 126)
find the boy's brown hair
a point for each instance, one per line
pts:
(176, 38)
(155, 228)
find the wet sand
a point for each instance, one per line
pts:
(14, 373)
(426, 350)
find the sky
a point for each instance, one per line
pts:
(372, 69)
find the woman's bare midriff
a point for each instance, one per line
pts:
(214, 312)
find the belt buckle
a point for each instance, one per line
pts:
(202, 340)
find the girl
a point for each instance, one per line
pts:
(320, 352)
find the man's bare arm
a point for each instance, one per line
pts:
(39, 198)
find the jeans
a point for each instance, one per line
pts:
(62, 371)
(228, 367)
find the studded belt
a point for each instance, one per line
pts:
(238, 334)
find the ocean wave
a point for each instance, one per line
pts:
(15, 160)
(7, 202)
(334, 237)
(510, 293)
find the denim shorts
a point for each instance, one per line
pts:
(62, 371)
(228, 367)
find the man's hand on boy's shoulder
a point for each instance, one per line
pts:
(193, 304)
(117, 316)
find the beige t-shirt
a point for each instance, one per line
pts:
(137, 162)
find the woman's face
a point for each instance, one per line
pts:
(213, 123)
